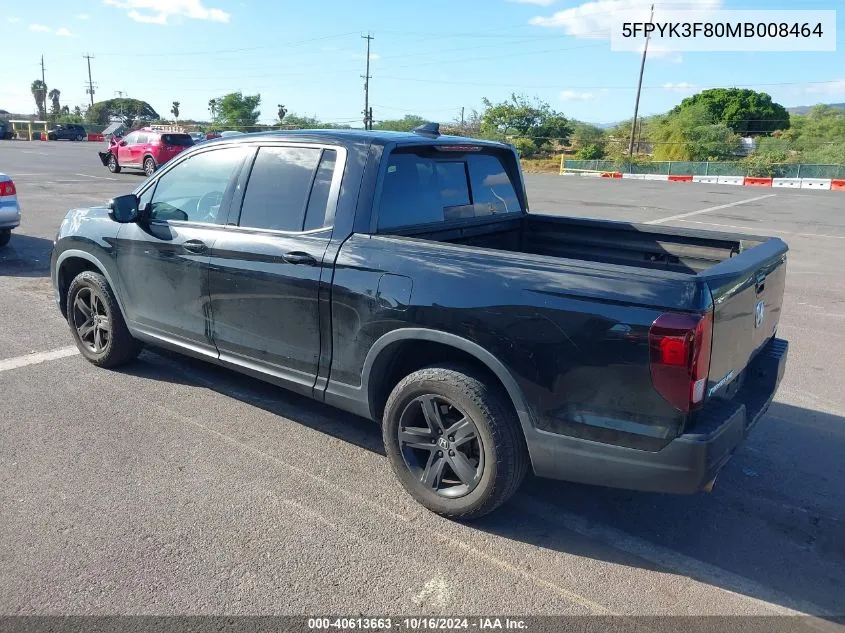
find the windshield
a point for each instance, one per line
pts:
(423, 188)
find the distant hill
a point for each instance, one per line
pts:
(806, 109)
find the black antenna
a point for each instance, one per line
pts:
(428, 129)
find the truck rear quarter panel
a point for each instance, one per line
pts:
(574, 336)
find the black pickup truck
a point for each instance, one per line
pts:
(399, 276)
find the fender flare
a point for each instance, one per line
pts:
(487, 359)
(76, 253)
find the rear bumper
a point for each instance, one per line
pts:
(688, 463)
(10, 214)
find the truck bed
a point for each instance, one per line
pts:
(661, 248)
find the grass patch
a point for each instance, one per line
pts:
(541, 165)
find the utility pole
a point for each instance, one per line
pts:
(639, 89)
(43, 80)
(462, 116)
(368, 114)
(90, 83)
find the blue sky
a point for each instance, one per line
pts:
(430, 58)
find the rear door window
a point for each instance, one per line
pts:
(278, 188)
(180, 140)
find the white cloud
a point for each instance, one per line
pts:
(570, 95)
(63, 32)
(541, 3)
(83, 16)
(835, 87)
(592, 20)
(160, 11)
(682, 86)
(40, 28)
(158, 18)
(13, 20)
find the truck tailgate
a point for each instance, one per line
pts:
(747, 295)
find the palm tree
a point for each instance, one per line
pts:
(282, 112)
(39, 92)
(55, 107)
(212, 107)
(175, 110)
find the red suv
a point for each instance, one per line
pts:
(145, 149)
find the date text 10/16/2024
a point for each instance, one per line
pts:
(416, 624)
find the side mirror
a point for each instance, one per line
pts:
(124, 209)
(123, 143)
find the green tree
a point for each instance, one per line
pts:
(212, 109)
(69, 118)
(174, 110)
(405, 124)
(525, 147)
(524, 118)
(39, 93)
(236, 111)
(126, 110)
(55, 106)
(281, 112)
(744, 111)
(593, 151)
(692, 133)
(77, 111)
(298, 122)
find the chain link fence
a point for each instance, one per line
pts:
(707, 168)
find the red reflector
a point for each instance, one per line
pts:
(680, 357)
(7, 188)
(673, 351)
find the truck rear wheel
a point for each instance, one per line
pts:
(453, 441)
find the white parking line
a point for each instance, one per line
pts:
(96, 177)
(39, 357)
(752, 228)
(708, 209)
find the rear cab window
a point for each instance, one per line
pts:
(426, 186)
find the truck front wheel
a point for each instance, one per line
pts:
(454, 442)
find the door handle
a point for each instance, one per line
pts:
(298, 257)
(195, 246)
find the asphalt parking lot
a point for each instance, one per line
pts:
(172, 487)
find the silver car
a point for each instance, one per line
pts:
(10, 211)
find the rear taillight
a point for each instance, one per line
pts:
(679, 348)
(7, 188)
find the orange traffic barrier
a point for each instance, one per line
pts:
(611, 174)
(757, 182)
(98, 138)
(837, 185)
(680, 178)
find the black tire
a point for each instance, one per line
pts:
(52, 137)
(149, 166)
(112, 164)
(110, 344)
(80, 137)
(461, 392)
(5, 236)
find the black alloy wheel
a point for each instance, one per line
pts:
(92, 320)
(441, 446)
